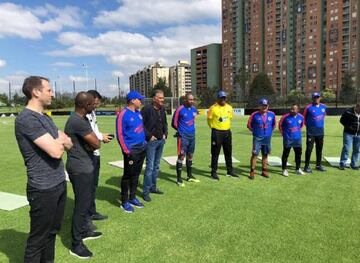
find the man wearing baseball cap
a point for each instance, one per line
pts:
(219, 120)
(131, 137)
(314, 115)
(261, 123)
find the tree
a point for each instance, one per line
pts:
(207, 97)
(296, 96)
(260, 87)
(4, 98)
(241, 78)
(348, 91)
(161, 85)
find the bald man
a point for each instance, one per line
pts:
(81, 172)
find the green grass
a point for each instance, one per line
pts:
(314, 218)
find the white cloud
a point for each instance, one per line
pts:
(16, 79)
(63, 64)
(20, 21)
(2, 63)
(117, 73)
(77, 78)
(139, 12)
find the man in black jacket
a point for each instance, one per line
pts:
(351, 137)
(156, 130)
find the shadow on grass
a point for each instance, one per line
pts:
(65, 231)
(12, 244)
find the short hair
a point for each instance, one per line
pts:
(82, 99)
(31, 83)
(95, 94)
(187, 95)
(156, 92)
(295, 104)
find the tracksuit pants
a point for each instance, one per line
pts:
(319, 142)
(220, 139)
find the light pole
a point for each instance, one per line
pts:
(85, 66)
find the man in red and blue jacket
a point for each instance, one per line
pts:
(314, 116)
(184, 123)
(290, 126)
(261, 123)
(131, 137)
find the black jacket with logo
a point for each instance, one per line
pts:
(351, 122)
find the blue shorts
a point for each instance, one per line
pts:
(263, 144)
(186, 144)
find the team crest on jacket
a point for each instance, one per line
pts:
(299, 121)
(323, 110)
(269, 118)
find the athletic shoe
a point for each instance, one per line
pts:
(127, 207)
(90, 226)
(285, 173)
(91, 235)
(299, 172)
(135, 202)
(307, 170)
(251, 176)
(192, 179)
(146, 198)
(265, 174)
(180, 182)
(215, 176)
(98, 216)
(232, 174)
(355, 167)
(157, 191)
(81, 251)
(320, 168)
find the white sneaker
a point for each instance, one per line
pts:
(299, 172)
(285, 173)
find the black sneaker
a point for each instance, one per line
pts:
(146, 198)
(90, 226)
(341, 166)
(81, 251)
(232, 174)
(157, 191)
(320, 168)
(307, 170)
(91, 235)
(215, 176)
(355, 167)
(98, 216)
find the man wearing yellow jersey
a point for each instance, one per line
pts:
(219, 119)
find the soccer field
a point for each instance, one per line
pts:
(312, 218)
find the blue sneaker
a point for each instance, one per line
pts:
(320, 168)
(127, 207)
(135, 202)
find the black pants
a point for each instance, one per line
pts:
(96, 164)
(133, 163)
(218, 139)
(285, 155)
(82, 185)
(310, 140)
(46, 213)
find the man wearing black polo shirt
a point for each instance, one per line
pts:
(42, 146)
(81, 172)
(156, 130)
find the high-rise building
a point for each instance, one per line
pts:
(180, 78)
(300, 44)
(206, 68)
(144, 80)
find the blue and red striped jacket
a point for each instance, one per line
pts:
(184, 120)
(262, 125)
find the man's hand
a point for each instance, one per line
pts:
(106, 138)
(153, 138)
(65, 140)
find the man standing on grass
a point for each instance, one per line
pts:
(156, 131)
(131, 137)
(351, 137)
(219, 120)
(42, 145)
(105, 138)
(262, 124)
(290, 126)
(81, 172)
(314, 116)
(184, 123)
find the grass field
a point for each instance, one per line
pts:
(314, 218)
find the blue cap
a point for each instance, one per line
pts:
(316, 94)
(221, 94)
(132, 95)
(263, 102)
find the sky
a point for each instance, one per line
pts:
(64, 40)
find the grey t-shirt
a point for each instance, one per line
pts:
(43, 171)
(79, 157)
